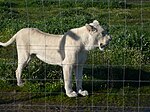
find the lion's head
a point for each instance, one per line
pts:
(101, 37)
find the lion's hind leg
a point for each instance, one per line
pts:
(23, 59)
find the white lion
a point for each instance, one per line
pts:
(68, 50)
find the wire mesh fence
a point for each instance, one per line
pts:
(117, 79)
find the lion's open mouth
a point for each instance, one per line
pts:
(102, 46)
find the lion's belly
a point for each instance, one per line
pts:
(50, 56)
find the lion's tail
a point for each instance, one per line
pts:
(8, 42)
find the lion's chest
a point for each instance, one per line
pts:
(81, 57)
(72, 57)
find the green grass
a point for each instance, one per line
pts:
(126, 58)
(127, 97)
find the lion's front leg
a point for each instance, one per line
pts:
(67, 72)
(78, 74)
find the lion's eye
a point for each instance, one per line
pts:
(103, 33)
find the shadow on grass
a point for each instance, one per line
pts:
(100, 78)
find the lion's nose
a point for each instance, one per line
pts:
(101, 44)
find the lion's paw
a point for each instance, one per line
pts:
(20, 84)
(72, 94)
(83, 93)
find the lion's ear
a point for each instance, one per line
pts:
(88, 27)
(95, 22)
(91, 27)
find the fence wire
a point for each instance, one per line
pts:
(110, 83)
